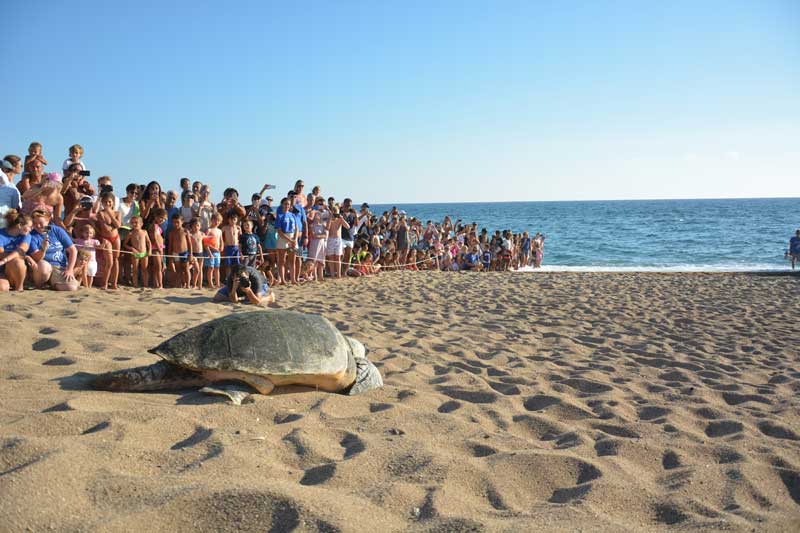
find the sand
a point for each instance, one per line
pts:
(531, 401)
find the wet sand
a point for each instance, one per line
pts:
(530, 401)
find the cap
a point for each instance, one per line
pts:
(402, 212)
(365, 205)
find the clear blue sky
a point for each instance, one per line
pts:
(403, 101)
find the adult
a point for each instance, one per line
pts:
(286, 247)
(33, 177)
(10, 166)
(794, 248)
(205, 209)
(75, 186)
(230, 202)
(15, 240)
(334, 248)
(300, 198)
(151, 199)
(52, 254)
(45, 196)
(348, 236)
(319, 220)
(245, 283)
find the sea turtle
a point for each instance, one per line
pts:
(261, 348)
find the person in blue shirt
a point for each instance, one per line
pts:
(286, 247)
(52, 255)
(15, 240)
(794, 248)
(472, 260)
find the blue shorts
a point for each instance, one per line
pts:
(212, 260)
(231, 254)
(183, 257)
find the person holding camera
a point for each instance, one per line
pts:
(245, 283)
(74, 186)
(52, 254)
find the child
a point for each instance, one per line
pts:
(196, 239)
(213, 244)
(267, 267)
(138, 243)
(307, 272)
(34, 154)
(81, 267)
(230, 240)
(108, 230)
(75, 155)
(252, 253)
(187, 207)
(156, 234)
(180, 247)
(89, 245)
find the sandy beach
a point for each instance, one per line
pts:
(513, 402)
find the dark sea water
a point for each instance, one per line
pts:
(668, 235)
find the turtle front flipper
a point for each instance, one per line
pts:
(158, 376)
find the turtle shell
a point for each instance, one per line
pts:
(274, 342)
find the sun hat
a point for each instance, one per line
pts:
(55, 177)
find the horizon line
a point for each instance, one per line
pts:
(593, 200)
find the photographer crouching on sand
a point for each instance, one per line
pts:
(245, 283)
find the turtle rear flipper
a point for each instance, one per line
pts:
(158, 376)
(235, 392)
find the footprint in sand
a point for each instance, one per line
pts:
(607, 447)
(723, 428)
(45, 344)
(471, 396)
(733, 398)
(318, 474)
(669, 514)
(64, 406)
(652, 412)
(481, 450)
(352, 444)
(60, 361)
(449, 406)
(97, 428)
(378, 407)
(777, 431)
(200, 434)
(540, 402)
(670, 460)
(287, 418)
(47, 331)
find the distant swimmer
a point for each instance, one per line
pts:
(794, 248)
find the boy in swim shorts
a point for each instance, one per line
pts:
(180, 248)
(138, 244)
(230, 240)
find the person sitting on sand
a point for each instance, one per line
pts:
(245, 283)
(52, 255)
(15, 240)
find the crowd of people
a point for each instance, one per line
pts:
(63, 232)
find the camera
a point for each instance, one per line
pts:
(86, 203)
(244, 281)
(84, 173)
(106, 188)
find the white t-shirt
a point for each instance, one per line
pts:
(69, 162)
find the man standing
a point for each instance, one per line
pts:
(794, 248)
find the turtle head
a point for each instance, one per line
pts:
(358, 350)
(158, 376)
(368, 377)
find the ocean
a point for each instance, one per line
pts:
(640, 235)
